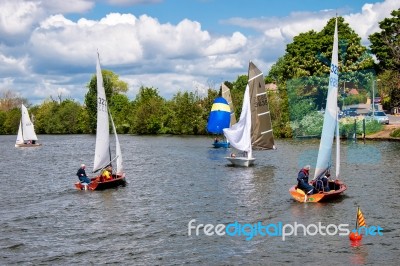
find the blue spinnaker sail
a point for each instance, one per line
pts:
(220, 116)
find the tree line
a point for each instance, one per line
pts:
(301, 76)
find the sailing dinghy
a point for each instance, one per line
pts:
(254, 129)
(103, 157)
(219, 119)
(26, 132)
(331, 122)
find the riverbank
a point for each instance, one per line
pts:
(385, 133)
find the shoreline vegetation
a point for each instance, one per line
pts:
(297, 86)
(385, 133)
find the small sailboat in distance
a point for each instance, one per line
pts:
(103, 157)
(26, 132)
(254, 129)
(226, 94)
(219, 119)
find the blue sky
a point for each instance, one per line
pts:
(48, 48)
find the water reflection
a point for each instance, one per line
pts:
(172, 180)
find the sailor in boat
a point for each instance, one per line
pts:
(216, 140)
(82, 174)
(302, 180)
(322, 182)
(107, 173)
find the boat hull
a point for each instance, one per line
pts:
(338, 188)
(221, 144)
(98, 184)
(241, 161)
(27, 145)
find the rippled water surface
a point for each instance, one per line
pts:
(173, 180)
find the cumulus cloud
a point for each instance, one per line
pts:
(367, 21)
(75, 43)
(19, 17)
(44, 52)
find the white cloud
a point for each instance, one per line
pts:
(17, 19)
(70, 6)
(367, 22)
(43, 53)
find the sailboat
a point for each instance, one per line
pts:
(254, 129)
(218, 120)
(331, 122)
(103, 157)
(226, 94)
(26, 132)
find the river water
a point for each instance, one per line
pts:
(173, 180)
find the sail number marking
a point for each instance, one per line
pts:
(261, 100)
(334, 69)
(102, 104)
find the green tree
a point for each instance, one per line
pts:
(46, 119)
(3, 117)
(302, 74)
(386, 46)
(187, 114)
(149, 109)
(12, 120)
(121, 107)
(386, 43)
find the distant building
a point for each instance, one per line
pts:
(353, 92)
(271, 87)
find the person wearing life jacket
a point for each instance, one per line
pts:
(322, 183)
(107, 173)
(82, 174)
(302, 180)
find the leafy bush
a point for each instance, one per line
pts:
(310, 125)
(347, 126)
(395, 133)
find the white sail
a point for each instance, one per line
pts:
(102, 155)
(20, 139)
(118, 152)
(330, 117)
(239, 135)
(28, 131)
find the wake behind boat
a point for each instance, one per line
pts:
(254, 129)
(335, 188)
(26, 132)
(102, 157)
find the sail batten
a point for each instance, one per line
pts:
(251, 79)
(266, 113)
(265, 132)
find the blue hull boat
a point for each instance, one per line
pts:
(221, 144)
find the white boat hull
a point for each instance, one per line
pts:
(22, 145)
(241, 161)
